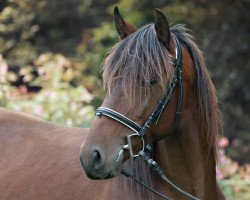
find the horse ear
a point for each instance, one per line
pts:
(123, 28)
(162, 28)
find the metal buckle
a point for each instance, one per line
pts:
(129, 145)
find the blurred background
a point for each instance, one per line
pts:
(51, 55)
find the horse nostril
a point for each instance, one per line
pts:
(96, 158)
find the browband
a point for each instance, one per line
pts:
(118, 117)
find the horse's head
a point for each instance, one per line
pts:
(137, 72)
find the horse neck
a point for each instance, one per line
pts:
(184, 158)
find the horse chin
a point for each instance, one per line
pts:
(103, 176)
(112, 174)
(115, 168)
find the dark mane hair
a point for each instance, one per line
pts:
(208, 117)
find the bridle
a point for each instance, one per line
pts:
(176, 81)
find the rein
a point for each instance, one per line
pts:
(156, 114)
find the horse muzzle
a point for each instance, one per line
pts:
(96, 166)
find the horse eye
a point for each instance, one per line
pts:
(151, 83)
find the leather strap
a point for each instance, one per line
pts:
(118, 117)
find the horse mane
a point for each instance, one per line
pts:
(208, 116)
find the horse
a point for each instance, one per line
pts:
(159, 120)
(40, 160)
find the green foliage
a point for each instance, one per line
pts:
(235, 189)
(58, 101)
(64, 106)
(16, 29)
